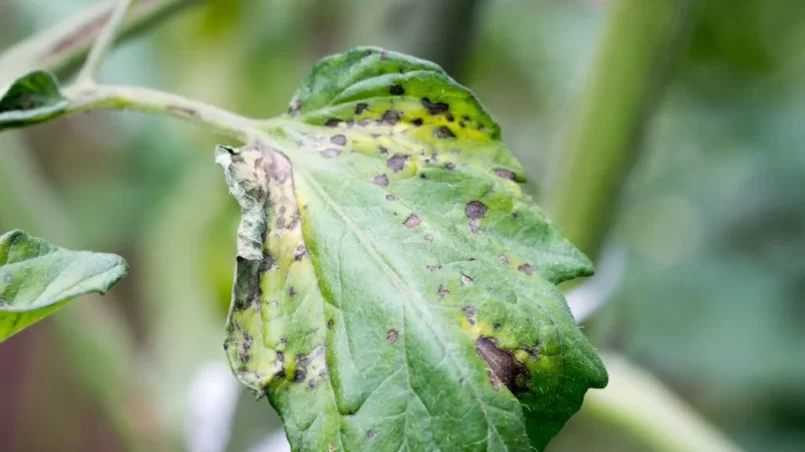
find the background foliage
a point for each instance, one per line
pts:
(712, 228)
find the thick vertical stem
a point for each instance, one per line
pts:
(641, 41)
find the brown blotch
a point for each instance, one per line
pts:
(396, 162)
(338, 140)
(471, 314)
(443, 132)
(332, 122)
(416, 121)
(382, 180)
(435, 108)
(390, 197)
(360, 108)
(475, 210)
(391, 117)
(527, 269)
(443, 292)
(412, 221)
(503, 366)
(505, 174)
(466, 279)
(397, 90)
(392, 336)
(330, 152)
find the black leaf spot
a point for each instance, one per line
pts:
(503, 366)
(391, 117)
(396, 162)
(449, 166)
(333, 122)
(338, 140)
(504, 173)
(527, 269)
(360, 108)
(390, 197)
(475, 210)
(382, 180)
(444, 132)
(397, 90)
(416, 121)
(435, 108)
(392, 336)
(466, 279)
(412, 221)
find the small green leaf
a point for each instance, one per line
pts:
(37, 278)
(31, 99)
(395, 288)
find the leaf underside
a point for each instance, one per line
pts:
(31, 99)
(395, 289)
(37, 278)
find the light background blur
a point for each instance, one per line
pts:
(712, 221)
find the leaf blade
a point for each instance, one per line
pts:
(30, 99)
(430, 301)
(37, 278)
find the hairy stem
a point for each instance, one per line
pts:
(153, 101)
(60, 48)
(102, 44)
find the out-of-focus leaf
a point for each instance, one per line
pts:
(37, 278)
(30, 99)
(394, 287)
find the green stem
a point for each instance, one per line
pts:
(60, 48)
(153, 101)
(102, 44)
(641, 40)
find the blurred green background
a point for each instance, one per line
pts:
(711, 227)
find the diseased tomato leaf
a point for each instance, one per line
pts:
(31, 99)
(395, 288)
(37, 278)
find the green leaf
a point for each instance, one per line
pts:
(31, 99)
(37, 278)
(395, 288)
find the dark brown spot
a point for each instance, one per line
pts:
(444, 132)
(392, 336)
(412, 221)
(332, 122)
(397, 90)
(370, 434)
(433, 268)
(383, 150)
(449, 117)
(390, 197)
(360, 108)
(527, 269)
(416, 121)
(338, 140)
(471, 314)
(435, 108)
(396, 162)
(504, 173)
(330, 324)
(391, 117)
(443, 292)
(267, 263)
(299, 252)
(497, 326)
(299, 375)
(422, 176)
(533, 352)
(449, 166)
(382, 180)
(504, 366)
(292, 292)
(475, 210)
(462, 124)
(466, 279)
(312, 384)
(504, 259)
(330, 152)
